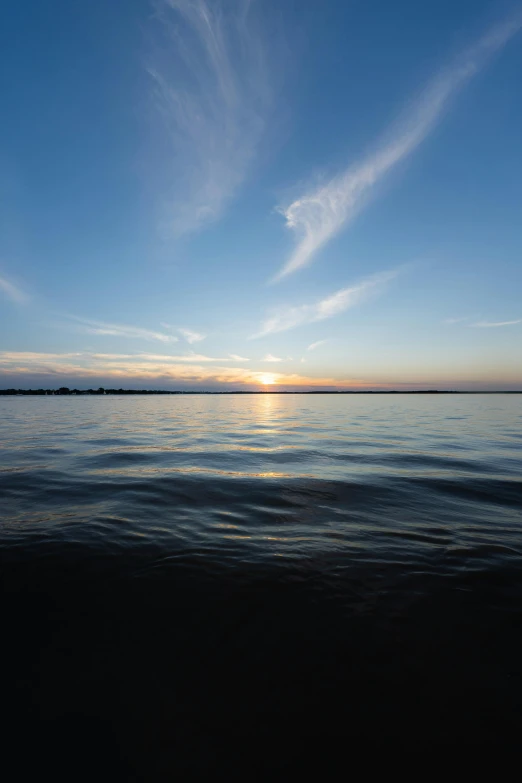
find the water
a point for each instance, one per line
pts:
(193, 582)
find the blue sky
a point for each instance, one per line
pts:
(222, 194)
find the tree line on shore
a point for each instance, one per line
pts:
(64, 390)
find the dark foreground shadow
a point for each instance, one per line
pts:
(177, 677)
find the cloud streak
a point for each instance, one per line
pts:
(213, 89)
(187, 357)
(338, 302)
(111, 357)
(493, 324)
(12, 291)
(192, 337)
(121, 330)
(270, 358)
(455, 320)
(318, 215)
(315, 345)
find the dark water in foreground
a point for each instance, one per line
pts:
(270, 583)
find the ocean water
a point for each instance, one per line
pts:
(195, 583)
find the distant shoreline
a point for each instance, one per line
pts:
(100, 392)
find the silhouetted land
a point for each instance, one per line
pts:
(66, 391)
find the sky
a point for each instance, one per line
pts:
(274, 194)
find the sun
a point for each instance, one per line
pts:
(267, 379)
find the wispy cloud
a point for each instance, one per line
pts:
(189, 335)
(192, 337)
(455, 320)
(313, 346)
(270, 358)
(212, 86)
(12, 291)
(236, 358)
(155, 357)
(158, 357)
(488, 324)
(121, 330)
(321, 213)
(338, 302)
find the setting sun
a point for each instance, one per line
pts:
(267, 379)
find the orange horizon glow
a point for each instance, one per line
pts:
(27, 368)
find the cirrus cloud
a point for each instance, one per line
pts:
(121, 330)
(493, 324)
(315, 345)
(338, 302)
(12, 291)
(319, 214)
(214, 90)
(192, 337)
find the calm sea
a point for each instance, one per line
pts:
(192, 583)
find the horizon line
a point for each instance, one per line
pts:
(12, 392)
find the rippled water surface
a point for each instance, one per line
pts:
(435, 479)
(295, 548)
